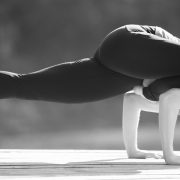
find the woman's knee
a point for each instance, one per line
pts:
(9, 84)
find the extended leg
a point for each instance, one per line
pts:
(132, 106)
(71, 82)
(168, 112)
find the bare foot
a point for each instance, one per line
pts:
(140, 154)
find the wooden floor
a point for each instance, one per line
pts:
(81, 164)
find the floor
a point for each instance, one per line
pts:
(81, 164)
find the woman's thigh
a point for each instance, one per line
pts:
(139, 54)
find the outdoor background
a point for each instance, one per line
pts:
(38, 33)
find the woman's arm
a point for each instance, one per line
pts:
(133, 104)
(169, 105)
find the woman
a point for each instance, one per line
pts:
(126, 57)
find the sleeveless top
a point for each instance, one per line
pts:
(158, 31)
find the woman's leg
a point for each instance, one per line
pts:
(73, 82)
(160, 86)
(8, 84)
(136, 52)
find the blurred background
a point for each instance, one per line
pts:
(39, 33)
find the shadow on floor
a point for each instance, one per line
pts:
(108, 167)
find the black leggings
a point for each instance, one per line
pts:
(124, 58)
(141, 51)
